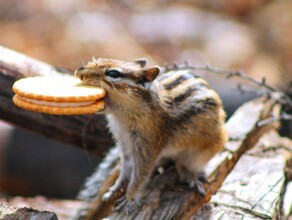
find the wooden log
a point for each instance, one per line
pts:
(255, 187)
(86, 132)
(165, 198)
(8, 212)
(287, 201)
(63, 209)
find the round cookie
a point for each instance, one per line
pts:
(62, 95)
(58, 89)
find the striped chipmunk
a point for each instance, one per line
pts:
(155, 116)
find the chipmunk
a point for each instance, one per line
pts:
(155, 116)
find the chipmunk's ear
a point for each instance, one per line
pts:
(142, 62)
(151, 73)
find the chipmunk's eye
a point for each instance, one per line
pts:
(114, 74)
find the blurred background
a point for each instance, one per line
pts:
(252, 35)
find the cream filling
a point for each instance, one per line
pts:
(58, 104)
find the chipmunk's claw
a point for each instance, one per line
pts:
(198, 186)
(197, 183)
(203, 178)
(120, 203)
(130, 205)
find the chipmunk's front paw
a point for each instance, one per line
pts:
(129, 204)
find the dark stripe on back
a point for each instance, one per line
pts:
(177, 81)
(200, 107)
(182, 121)
(198, 86)
(185, 95)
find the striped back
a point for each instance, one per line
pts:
(182, 93)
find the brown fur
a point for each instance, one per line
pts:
(173, 115)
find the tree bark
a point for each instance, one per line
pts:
(8, 212)
(86, 132)
(64, 209)
(255, 188)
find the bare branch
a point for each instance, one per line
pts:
(283, 116)
(272, 92)
(73, 130)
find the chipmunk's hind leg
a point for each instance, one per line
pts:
(190, 171)
(194, 180)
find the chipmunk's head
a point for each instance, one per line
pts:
(117, 77)
(116, 74)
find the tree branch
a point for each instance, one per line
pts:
(278, 95)
(10, 213)
(86, 131)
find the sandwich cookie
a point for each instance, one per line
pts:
(64, 95)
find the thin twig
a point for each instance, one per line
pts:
(272, 92)
(228, 74)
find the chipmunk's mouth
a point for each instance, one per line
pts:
(91, 81)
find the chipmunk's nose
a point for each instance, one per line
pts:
(78, 72)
